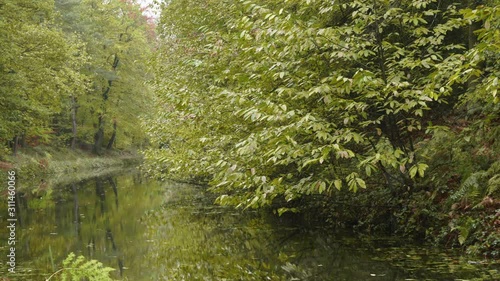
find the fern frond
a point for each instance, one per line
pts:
(493, 184)
(471, 188)
(77, 268)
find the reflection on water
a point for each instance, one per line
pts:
(151, 231)
(97, 218)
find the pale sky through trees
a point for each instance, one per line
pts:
(151, 11)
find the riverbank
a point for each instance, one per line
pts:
(43, 166)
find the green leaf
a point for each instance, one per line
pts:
(421, 169)
(413, 171)
(361, 183)
(338, 184)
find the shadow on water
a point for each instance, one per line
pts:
(171, 231)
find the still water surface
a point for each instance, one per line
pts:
(148, 230)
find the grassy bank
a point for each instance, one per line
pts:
(44, 166)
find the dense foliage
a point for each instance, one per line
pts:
(375, 114)
(72, 73)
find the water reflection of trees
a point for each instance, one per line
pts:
(189, 238)
(96, 218)
(199, 241)
(109, 241)
(193, 240)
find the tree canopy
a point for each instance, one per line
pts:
(272, 102)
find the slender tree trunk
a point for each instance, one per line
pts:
(15, 144)
(99, 136)
(22, 140)
(113, 136)
(472, 38)
(74, 108)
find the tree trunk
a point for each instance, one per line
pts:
(22, 140)
(14, 145)
(99, 136)
(74, 108)
(113, 136)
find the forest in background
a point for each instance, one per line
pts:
(73, 74)
(381, 116)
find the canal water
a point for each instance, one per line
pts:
(147, 230)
